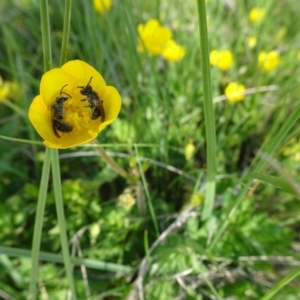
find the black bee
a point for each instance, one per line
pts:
(57, 110)
(96, 105)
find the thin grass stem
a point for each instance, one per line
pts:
(46, 41)
(61, 219)
(38, 225)
(148, 197)
(66, 32)
(209, 117)
(46, 36)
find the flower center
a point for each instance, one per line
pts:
(75, 111)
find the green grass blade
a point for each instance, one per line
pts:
(276, 181)
(66, 32)
(38, 224)
(208, 114)
(20, 140)
(56, 258)
(272, 146)
(46, 36)
(148, 197)
(286, 280)
(61, 219)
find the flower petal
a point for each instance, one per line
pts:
(83, 73)
(70, 140)
(40, 117)
(52, 83)
(112, 105)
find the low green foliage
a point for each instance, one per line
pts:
(248, 248)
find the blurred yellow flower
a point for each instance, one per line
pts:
(251, 41)
(221, 59)
(235, 92)
(257, 14)
(173, 52)
(268, 60)
(189, 150)
(102, 6)
(293, 150)
(74, 105)
(153, 38)
(4, 89)
(196, 199)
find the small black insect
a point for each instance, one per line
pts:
(57, 110)
(96, 105)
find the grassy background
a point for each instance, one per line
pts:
(251, 242)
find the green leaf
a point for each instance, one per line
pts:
(275, 181)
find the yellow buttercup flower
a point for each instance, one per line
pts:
(221, 59)
(74, 105)
(235, 92)
(268, 60)
(257, 14)
(4, 89)
(102, 6)
(251, 41)
(153, 37)
(189, 150)
(173, 52)
(196, 199)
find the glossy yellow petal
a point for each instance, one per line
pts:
(222, 59)
(257, 14)
(235, 92)
(153, 37)
(102, 5)
(268, 60)
(40, 117)
(4, 90)
(52, 83)
(112, 105)
(83, 73)
(173, 52)
(71, 140)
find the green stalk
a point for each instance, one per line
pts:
(118, 169)
(66, 32)
(61, 219)
(46, 38)
(78, 261)
(286, 280)
(38, 225)
(209, 117)
(46, 41)
(148, 197)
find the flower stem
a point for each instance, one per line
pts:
(46, 41)
(66, 32)
(61, 219)
(148, 196)
(111, 162)
(38, 225)
(46, 38)
(208, 114)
